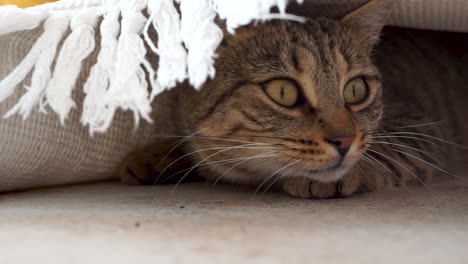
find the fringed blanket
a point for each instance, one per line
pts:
(85, 59)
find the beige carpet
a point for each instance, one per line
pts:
(113, 223)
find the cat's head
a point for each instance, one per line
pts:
(291, 99)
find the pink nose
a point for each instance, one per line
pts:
(342, 143)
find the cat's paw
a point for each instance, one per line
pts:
(309, 189)
(158, 163)
(138, 168)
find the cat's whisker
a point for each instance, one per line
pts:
(223, 161)
(273, 137)
(430, 164)
(273, 174)
(184, 170)
(384, 166)
(376, 168)
(177, 144)
(405, 168)
(364, 172)
(406, 146)
(283, 174)
(427, 136)
(424, 124)
(263, 136)
(315, 188)
(215, 139)
(209, 156)
(262, 155)
(202, 150)
(212, 146)
(409, 137)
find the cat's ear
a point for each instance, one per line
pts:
(369, 19)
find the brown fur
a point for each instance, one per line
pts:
(230, 127)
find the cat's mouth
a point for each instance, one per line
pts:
(317, 171)
(329, 173)
(332, 173)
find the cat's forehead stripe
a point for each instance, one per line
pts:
(306, 77)
(322, 66)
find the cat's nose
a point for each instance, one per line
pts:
(342, 143)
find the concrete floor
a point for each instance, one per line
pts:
(113, 223)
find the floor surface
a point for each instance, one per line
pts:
(114, 223)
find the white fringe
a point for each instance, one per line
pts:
(241, 12)
(128, 88)
(201, 37)
(76, 48)
(172, 66)
(185, 45)
(14, 19)
(41, 56)
(95, 109)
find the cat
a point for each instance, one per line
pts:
(322, 109)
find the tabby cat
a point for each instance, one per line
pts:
(301, 106)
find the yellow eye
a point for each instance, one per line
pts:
(355, 91)
(283, 92)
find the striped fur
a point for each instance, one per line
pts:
(232, 131)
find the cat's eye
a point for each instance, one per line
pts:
(283, 92)
(355, 91)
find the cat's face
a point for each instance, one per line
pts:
(288, 100)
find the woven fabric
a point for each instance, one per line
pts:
(40, 152)
(432, 14)
(450, 15)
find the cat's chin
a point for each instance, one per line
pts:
(331, 174)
